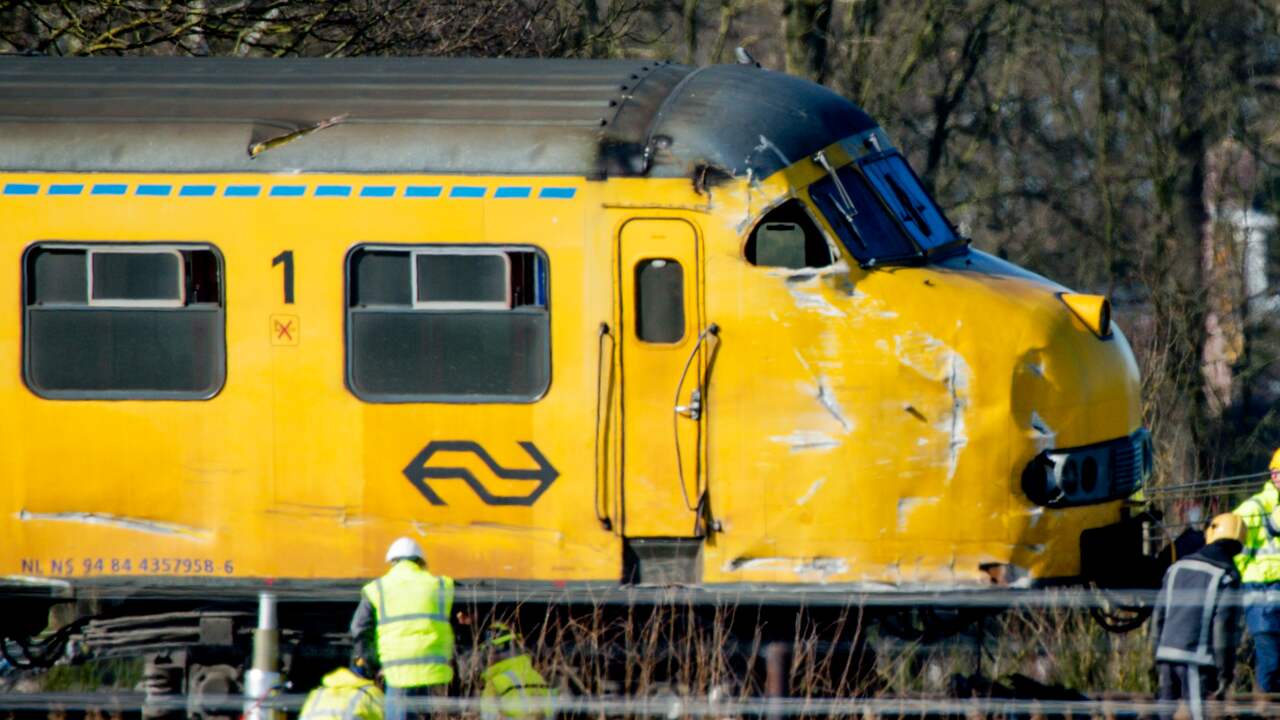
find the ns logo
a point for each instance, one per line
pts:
(423, 474)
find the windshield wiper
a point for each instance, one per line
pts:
(845, 206)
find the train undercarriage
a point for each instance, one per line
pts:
(606, 639)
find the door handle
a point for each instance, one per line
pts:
(693, 410)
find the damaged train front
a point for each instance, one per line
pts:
(979, 423)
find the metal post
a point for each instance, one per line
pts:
(777, 658)
(265, 673)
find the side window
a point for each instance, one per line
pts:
(787, 237)
(659, 300)
(105, 321)
(447, 323)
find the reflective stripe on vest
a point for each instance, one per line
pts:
(516, 683)
(415, 639)
(1202, 654)
(385, 619)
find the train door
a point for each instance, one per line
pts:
(659, 301)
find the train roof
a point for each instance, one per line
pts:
(593, 118)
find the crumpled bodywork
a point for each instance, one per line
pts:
(886, 416)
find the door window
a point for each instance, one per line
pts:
(659, 300)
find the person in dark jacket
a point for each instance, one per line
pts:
(1195, 626)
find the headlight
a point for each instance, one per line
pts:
(1093, 310)
(1088, 475)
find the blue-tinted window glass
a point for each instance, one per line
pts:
(897, 184)
(865, 229)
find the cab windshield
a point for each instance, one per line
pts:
(881, 212)
(906, 197)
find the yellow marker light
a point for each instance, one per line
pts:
(1093, 310)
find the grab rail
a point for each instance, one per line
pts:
(693, 410)
(602, 440)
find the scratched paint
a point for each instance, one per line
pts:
(934, 360)
(802, 440)
(1043, 434)
(822, 567)
(123, 523)
(813, 490)
(822, 392)
(815, 302)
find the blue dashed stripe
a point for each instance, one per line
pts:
(500, 192)
(242, 191)
(512, 192)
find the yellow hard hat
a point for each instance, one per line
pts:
(500, 635)
(1275, 460)
(1226, 526)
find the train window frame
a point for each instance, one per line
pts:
(415, 281)
(537, 302)
(179, 300)
(217, 305)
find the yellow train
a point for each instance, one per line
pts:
(570, 321)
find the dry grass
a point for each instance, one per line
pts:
(720, 652)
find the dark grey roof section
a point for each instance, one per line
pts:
(739, 117)
(411, 115)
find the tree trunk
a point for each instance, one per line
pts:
(806, 23)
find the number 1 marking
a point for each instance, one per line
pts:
(286, 257)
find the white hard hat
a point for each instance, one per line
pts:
(404, 548)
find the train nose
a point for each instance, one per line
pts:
(1109, 470)
(1076, 395)
(1054, 363)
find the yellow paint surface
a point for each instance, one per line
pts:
(861, 426)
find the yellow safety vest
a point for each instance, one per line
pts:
(415, 639)
(1259, 562)
(507, 683)
(343, 695)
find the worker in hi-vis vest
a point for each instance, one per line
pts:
(348, 693)
(403, 621)
(1259, 566)
(513, 689)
